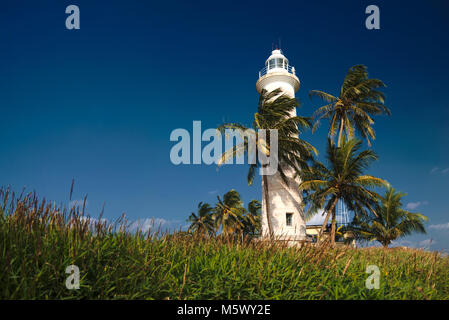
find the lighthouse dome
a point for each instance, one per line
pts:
(278, 73)
(276, 60)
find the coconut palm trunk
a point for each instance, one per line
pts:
(267, 205)
(340, 133)
(334, 223)
(329, 213)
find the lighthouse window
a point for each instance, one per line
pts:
(277, 63)
(288, 219)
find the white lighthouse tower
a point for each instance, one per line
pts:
(286, 213)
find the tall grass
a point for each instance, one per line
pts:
(39, 240)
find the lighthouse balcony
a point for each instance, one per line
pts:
(278, 73)
(283, 68)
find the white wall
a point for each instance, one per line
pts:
(283, 198)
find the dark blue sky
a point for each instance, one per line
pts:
(98, 104)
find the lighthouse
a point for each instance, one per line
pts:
(286, 212)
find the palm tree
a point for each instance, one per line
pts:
(391, 222)
(203, 222)
(342, 179)
(274, 112)
(229, 212)
(353, 109)
(252, 219)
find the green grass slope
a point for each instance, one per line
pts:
(38, 241)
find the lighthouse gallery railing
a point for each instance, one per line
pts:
(265, 70)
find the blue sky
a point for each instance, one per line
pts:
(98, 104)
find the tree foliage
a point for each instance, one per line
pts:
(352, 110)
(344, 179)
(390, 222)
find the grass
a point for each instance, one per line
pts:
(38, 241)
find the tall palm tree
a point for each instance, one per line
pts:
(342, 179)
(353, 109)
(202, 222)
(229, 212)
(391, 222)
(274, 112)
